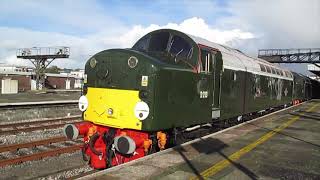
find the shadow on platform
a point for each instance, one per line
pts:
(210, 146)
(284, 134)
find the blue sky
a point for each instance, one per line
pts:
(42, 15)
(90, 26)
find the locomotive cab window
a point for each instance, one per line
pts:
(159, 41)
(180, 51)
(142, 44)
(180, 47)
(169, 48)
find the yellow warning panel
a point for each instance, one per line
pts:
(112, 107)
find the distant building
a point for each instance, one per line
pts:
(59, 81)
(78, 75)
(22, 78)
(13, 82)
(7, 68)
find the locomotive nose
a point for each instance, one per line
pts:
(70, 131)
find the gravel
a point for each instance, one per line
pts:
(23, 137)
(58, 167)
(76, 117)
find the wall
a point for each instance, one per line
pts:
(9, 114)
(23, 81)
(58, 82)
(9, 86)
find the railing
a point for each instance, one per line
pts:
(304, 55)
(283, 52)
(43, 51)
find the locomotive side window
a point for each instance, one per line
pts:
(262, 68)
(268, 69)
(286, 73)
(281, 72)
(159, 41)
(206, 61)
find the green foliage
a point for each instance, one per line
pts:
(53, 69)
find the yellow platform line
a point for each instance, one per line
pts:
(235, 156)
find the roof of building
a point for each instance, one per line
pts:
(33, 73)
(17, 66)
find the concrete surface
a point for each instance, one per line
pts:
(29, 106)
(285, 145)
(59, 167)
(38, 112)
(39, 96)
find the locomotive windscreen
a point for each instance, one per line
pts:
(167, 48)
(159, 41)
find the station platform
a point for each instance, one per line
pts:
(30, 103)
(39, 96)
(281, 145)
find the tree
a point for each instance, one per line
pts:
(53, 69)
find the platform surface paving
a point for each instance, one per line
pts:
(39, 96)
(285, 145)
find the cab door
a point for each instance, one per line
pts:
(210, 81)
(217, 75)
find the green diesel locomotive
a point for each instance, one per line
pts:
(140, 100)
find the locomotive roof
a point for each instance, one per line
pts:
(236, 60)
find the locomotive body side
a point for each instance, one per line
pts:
(249, 84)
(250, 92)
(302, 89)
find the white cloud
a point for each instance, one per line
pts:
(83, 47)
(90, 26)
(276, 24)
(194, 26)
(282, 24)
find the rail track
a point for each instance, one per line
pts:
(13, 128)
(53, 150)
(78, 174)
